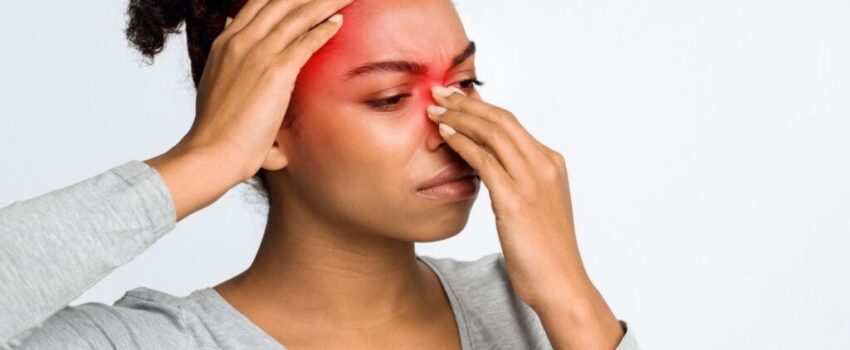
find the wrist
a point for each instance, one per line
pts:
(581, 320)
(227, 160)
(195, 176)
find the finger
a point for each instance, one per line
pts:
(297, 54)
(227, 21)
(491, 137)
(454, 98)
(298, 22)
(488, 167)
(268, 16)
(244, 16)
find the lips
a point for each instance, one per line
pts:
(452, 172)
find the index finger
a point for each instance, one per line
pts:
(454, 98)
(244, 16)
(298, 22)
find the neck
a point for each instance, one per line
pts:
(313, 273)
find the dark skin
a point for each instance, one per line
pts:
(315, 285)
(334, 270)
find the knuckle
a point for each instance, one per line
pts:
(503, 114)
(486, 160)
(280, 29)
(494, 133)
(235, 46)
(309, 41)
(299, 13)
(253, 60)
(291, 58)
(457, 99)
(217, 43)
(318, 37)
(280, 70)
(282, 65)
(559, 159)
(552, 171)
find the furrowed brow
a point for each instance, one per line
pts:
(467, 52)
(406, 66)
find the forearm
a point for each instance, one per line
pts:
(55, 246)
(195, 177)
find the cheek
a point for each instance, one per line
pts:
(404, 131)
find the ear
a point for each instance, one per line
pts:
(276, 157)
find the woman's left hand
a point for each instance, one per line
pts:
(529, 192)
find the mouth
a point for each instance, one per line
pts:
(450, 173)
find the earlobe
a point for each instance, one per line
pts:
(276, 158)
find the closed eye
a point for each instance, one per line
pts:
(390, 103)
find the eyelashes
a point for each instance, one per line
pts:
(471, 82)
(390, 103)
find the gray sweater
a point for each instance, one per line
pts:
(55, 246)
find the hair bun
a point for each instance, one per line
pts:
(151, 21)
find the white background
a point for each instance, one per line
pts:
(706, 141)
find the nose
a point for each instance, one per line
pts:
(434, 140)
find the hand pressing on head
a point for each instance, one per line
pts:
(243, 95)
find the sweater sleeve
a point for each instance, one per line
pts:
(629, 342)
(55, 246)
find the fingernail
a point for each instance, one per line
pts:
(445, 129)
(441, 91)
(455, 89)
(436, 110)
(337, 18)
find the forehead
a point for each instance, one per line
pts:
(426, 31)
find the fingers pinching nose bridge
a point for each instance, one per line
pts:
(443, 91)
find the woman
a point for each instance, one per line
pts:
(331, 120)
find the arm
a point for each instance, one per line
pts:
(584, 322)
(55, 246)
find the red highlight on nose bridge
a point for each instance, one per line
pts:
(427, 84)
(343, 51)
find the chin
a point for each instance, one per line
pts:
(446, 224)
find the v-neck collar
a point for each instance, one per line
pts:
(457, 308)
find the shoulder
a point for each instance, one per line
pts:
(143, 318)
(493, 313)
(130, 323)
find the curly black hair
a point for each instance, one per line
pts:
(150, 22)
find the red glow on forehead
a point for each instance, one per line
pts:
(353, 22)
(424, 32)
(388, 30)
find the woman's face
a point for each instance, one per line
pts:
(360, 154)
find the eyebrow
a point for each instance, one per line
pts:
(406, 66)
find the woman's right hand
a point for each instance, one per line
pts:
(243, 96)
